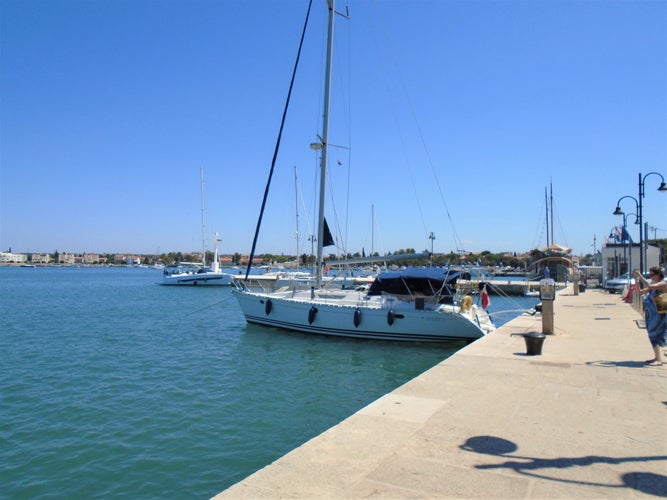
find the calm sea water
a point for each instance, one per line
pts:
(112, 386)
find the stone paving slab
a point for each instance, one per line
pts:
(585, 419)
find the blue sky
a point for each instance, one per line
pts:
(452, 117)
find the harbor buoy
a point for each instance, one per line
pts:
(390, 317)
(268, 306)
(357, 317)
(311, 315)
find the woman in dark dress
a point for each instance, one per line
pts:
(656, 322)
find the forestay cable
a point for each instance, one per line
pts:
(275, 152)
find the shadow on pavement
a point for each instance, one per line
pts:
(654, 484)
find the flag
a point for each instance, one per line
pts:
(485, 298)
(328, 237)
(619, 235)
(625, 236)
(628, 295)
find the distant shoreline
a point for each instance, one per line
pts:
(23, 264)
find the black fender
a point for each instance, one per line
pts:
(357, 317)
(311, 315)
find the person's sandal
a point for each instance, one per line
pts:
(655, 362)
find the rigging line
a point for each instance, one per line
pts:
(275, 151)
(500, 292)
(398, 127)
(346, 109)
(296, 212)
(349, 126)
(336, 222)
(303, 206)
(560, 228)
(537, 238)
(201, 309)
(457, 240)
(349, 129)
(340, 233)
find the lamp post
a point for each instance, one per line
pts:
(642, 192)
(625, 235)
(618, 211)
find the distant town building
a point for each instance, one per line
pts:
(66, 258)
(90, 258)
(127, 259)
(620, 258)
(10, 257)
(41, 258)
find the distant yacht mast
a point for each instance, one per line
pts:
(551, 210)
(203, 238)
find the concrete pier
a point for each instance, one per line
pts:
(585, 419)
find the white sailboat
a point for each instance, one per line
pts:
(409, 305)
(193, 274)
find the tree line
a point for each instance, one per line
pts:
(485, 258)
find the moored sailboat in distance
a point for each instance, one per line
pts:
(195, 274)
(414, 304)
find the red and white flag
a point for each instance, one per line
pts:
(485, 298)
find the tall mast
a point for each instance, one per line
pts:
(325, 141)
(372, 229)
(546, 213)
(203, 244)
(296, 210)
(551, 210)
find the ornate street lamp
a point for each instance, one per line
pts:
(618, 211)
(642, 191)
(627, 241)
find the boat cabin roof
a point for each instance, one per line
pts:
(425, 281)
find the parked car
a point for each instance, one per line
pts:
(617, 284)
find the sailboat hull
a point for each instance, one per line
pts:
(194, 276)
(202, 279)
(358, 317)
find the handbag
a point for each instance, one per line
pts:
(660, 300)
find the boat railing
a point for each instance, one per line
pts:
(252, 285)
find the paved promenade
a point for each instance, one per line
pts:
(586, 419)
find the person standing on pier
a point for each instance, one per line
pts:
(656, 322)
